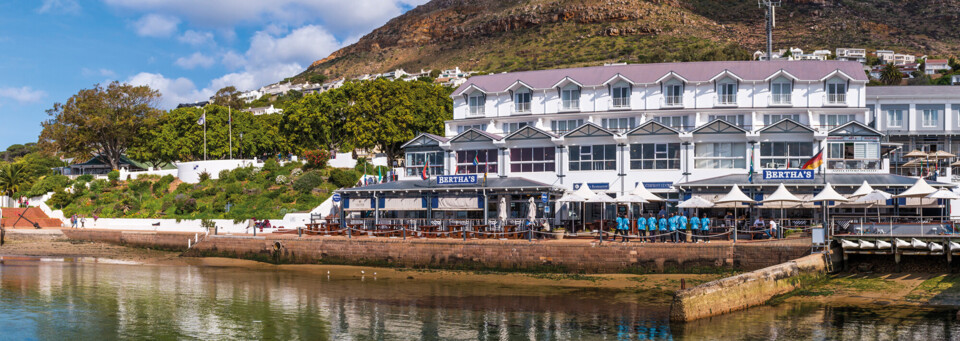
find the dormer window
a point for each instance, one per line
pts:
(782, 91)
(673, 95)
(477, 101)
(837, 92)
(621, 95)
(521, 100)
(570, 96)
(727, 93)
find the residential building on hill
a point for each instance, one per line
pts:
(852, 54)
(264, 110)
(932, 66)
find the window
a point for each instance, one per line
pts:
(655, 156)
(619, 125)
(674, 95)
(736, 120)
(527, 160)
(836, 93)
(416, 160)
(477, 102)
(486, 161)
(930, 117)
(564, 126)
(721, 155)
(832, 120)
(675, 122)
(782, 92)
(853, 155)
(514, 126)
(895, 118)
(784, 154)
(774, 118)
(465, 127)
(521, 100)
(596, 157)
(727, 93)
(570, 96)
(621, 96)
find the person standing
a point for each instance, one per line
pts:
(695, 227)
(673, 227)
(83, 222)
(652, 227)
(73, 221)
(705, 227)
(773, 229)
(623, 225)
(683, 229)
(663, 228)
(642, 228)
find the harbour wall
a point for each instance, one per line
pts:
(510, 255)
(745, 290)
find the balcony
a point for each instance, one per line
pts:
(727, 100)
(620, 103)
(570, 105)
(672, 101)
(854, 165)
(475, 111)
(522, 107)
(781, 99)
(836, 99)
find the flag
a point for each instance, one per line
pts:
(476, 160)
(750, 173)
(202, 120)
(423, 174)
(815, 161)
(379, 174)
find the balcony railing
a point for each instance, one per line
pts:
(854, 164)
(727, 99)
(570, 104)
(781, 99)
(621, 102)
(836, 98)
(475, 111)
(522, 107)
(673, 101)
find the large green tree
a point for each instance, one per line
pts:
(891, 75)
(13, 179)
(102, 121)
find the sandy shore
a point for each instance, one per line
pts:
(67, 248)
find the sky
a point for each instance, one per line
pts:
(186, 49)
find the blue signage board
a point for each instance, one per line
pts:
(336, 197)
(544, 197)
(546, 209)
(788, 174)
(656, 185)
(594, 186)
(469, 179)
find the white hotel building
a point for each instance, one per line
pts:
(676, 128)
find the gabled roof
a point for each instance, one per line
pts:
(785, 126)
(669, 75)
(809, 70)
(719, 126)
(779, 73)
(529, 133)
(837, 72)
(589, 129)
(652, 128)
(724, 73)
(854, 128)
(474, 134)
(518, 84)
(425, 140)
(565, 80)
(617, 77)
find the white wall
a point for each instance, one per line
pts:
(189, 172)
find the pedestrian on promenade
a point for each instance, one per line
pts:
(683, 230)
(624, 229)
(674, 237)
(662, 223)
(773, 229)
(83, 222)
(705, 227)
(642, 228)
(652, 227)
(73, 221)
(695, 227)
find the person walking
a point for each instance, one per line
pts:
(652, 227)
(695, 228)
(73, 221)
(662, 223)
(83, 222)
(683, 229)
(705, 227)
(642, 228)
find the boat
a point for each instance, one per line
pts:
(901, 243)
(846, 244)
(954, 246)
(917, 244)
(865, 245)
(934, 247)
(883, 244)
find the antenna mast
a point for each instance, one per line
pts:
(771, 23)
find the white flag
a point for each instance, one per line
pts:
(203, 119)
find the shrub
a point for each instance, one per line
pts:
(344, 178)
(85, 178)
(243, 173)
(307, 182)
(363, 165)
(97, 186)
(161, 186)
(113, 176)
(60, 199)
(271, 165)
(50, 183)
(184, 204)
(316, 159)
(281, 179)
(204, 176)
(296, 172)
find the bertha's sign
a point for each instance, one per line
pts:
(457, 179)
(788, 174)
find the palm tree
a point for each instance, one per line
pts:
(13, 179)
(890, 75)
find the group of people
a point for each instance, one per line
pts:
(81, 220)
(668, 227)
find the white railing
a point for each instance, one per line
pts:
(522, 107)
(781, 99)
(727, 99)
(620, 102)
(836, 98)
(570, 104)
(672, 101)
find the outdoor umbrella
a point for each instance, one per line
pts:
(571, 197)
(503, 210)
(631, 199)
(603, 199)
(695, 202)
(863, 190)
(916, 154)
(874, 197)
(532, 209)
(955, 164)
(735, 196)
(940, 155)
(829, 194)
(782, 195)
(945, 195)
(585, 193)
(920, 189)
(645, 193)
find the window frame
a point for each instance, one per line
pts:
(546, 164)
(413, 165)
(555, 125)
(576, 159)
(724, 95)
(935, 118)
(620, 96)
(735, 160)
(465, 161)
(776, 89)
(521, 106)
(899, 120)
(567, 100)
(639, 161)
(505, 125)
(792, 157)
(477, 108)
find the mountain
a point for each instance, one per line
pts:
(510, 35)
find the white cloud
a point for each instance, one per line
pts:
(195, 60)
(233, 60)
(174, 91)
(98, 73)
(196, 38)
(59, 7)
(304, 45)
(23, 94)
(155, 25)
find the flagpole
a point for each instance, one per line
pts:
(230, 130)
(204, 134)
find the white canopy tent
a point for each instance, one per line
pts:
(781, 195)
(643, 192)
(695, 202)
(735, 196)
(920, 189)
(863, 190)
(943, 194)
(873, 198)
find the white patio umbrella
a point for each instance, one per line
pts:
(503, 214)
(920, 189)
(572, 197)
(829, 194)
(782, 195)
(945, 195)
(863, 190)
(645, 193)
(735, 196)
(695, 202)
(532, 209)
(874, 197)
(603, 199)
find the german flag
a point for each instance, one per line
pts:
(815, 161)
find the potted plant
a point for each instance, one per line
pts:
(558, 233)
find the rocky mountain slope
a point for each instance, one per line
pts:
(507, 35)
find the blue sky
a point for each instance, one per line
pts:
(187, 49)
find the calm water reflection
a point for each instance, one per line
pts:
(84, 301)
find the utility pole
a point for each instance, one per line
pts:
(771, 23)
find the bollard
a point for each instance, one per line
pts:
(683, 284)
(188, 243)
(404, 229)
(196, 238)
(530, 233)
(299, 232)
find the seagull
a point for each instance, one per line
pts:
(328, 272)
(362, 272)
(374, 273)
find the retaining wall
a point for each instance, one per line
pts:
(745, 290)
(158, 240)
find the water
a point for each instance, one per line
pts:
(96, 301)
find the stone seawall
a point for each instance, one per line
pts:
(745, 290)
(552, 256)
